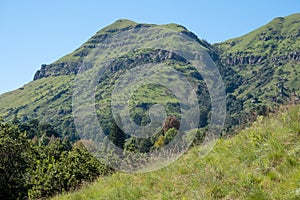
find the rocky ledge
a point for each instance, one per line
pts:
(126, 61)
(245, 59)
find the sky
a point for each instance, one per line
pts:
(35, 32)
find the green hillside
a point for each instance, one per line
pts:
(264, 41)
(48, 99)
(49, 96)
(260, 71)
(266, 62)
(275, 45)
(261, 162)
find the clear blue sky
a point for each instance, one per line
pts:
(34, 32)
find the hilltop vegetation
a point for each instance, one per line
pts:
(264, 41)
(260, 162)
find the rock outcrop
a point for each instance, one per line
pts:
(245, 59)
(57, 69)
(69, 68)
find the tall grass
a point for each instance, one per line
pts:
(261, 162)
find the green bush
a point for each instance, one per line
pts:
(34, 169)
(15, 153)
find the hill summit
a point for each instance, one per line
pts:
(260, 71)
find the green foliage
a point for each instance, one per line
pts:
(142, 145)
(35, 168)
(15, 155)
(169, 135)
(261, 162)
(60, 169)
(117, 136)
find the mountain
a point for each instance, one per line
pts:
(49, 96)
(266, 62)
(259, 71)
(267, 55)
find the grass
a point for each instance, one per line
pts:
(265, 39)
(261, 162)
(48, 99)
(36, 94)
(148, 40)
(266, 80)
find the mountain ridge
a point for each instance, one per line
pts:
(259, 70)
(70, 63)
(254, 82)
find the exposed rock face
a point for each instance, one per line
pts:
(66, 67)
(245, 59)
(290, 56)
(69, 68)
(57, 69)
(237, 60)
(154, 56)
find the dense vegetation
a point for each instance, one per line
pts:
(35, 163)
(260, 162)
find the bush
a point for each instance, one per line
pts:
(35, 170)
(14, 162)
(69, 170)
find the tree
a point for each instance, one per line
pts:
(169, 135)
(116, 135)
(160, 142)
(15, 154)
(35, 170)
(15, 120)
(171, 122)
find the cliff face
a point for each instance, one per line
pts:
(72, 68)
(57, 69)
(248, 59)
(276, 42)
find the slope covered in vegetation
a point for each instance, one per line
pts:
(261, 162)
(266, 63)
(260, 71)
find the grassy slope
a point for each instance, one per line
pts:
(273, 40)
(253, 42)
(114, 28)
(48, 99)
(261, 162)
(34, 95)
